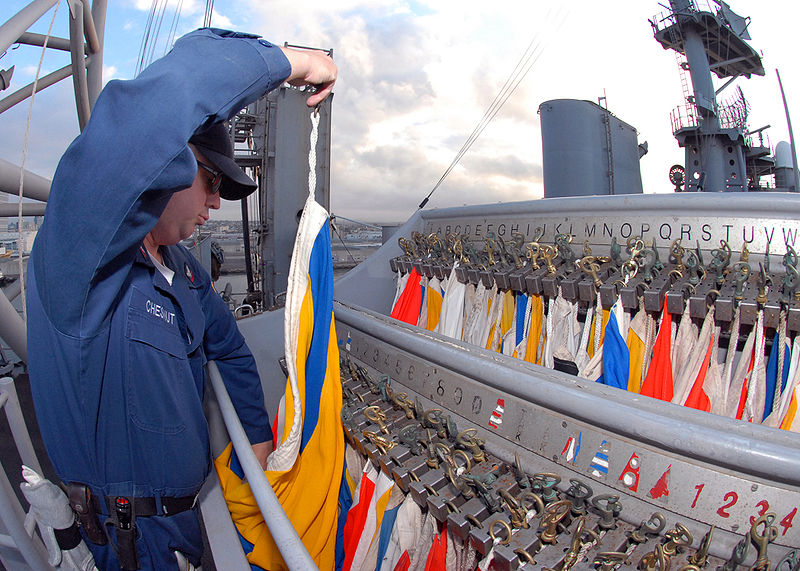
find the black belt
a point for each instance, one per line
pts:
(147, 507)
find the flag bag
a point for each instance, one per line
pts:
(306, 467)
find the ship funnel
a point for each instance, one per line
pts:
(586, 150)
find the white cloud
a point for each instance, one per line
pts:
(416, 76)
(110, 72)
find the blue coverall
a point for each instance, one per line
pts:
(116, 354)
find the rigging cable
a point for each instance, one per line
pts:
(157, 34)
(173, 28)
(336, 229)
(146, 37)
(20, 246)
(526, 62)
(209, 13)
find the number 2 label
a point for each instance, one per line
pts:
(730, 498)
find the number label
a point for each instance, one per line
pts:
(699, 488)
(730, 498)
(787, 521)
(764, 505)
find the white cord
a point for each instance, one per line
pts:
(312, 154)
(20, 245)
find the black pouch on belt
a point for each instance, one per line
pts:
(81, 502)
(125, 529)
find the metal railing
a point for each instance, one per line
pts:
(19, 544)
(292, 550)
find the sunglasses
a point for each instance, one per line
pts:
(216, 181)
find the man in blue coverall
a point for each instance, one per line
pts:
(122, 319)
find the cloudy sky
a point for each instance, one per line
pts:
(416, 76)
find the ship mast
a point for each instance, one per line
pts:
(719, 153)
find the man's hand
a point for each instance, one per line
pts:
(262, 451)
(311, 67)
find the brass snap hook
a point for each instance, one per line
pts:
(468, 439)
(715, 294)
(529, 500)
(503, 526)
(376, 415)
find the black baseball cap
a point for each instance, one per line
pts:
(215, 144)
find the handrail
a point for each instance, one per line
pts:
(12, 516)
(294, 553)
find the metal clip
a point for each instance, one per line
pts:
(742, 269)
(591, 268)
(738, 555)
(573, 555)
(695, 268)
(519, 474)
(549, 253)
(653, 560)
(609, 512)
(530, 500)
(488, 249)
(721, 259)
(677, 252)
(616, 253)
(790, 562)
(434, 418)
(376, 415)
(382, 444)
(652, 526)
(563, 242)
(469, 440)
(515, 509)
(762, 540)
(532, 253)
(553, 514)
(410, 436)
(677, 537)
(545, 484)
(402, 401)
(700, 557)
(503, 526)
(578, 492)
(610, 560)
(482, 485)
(383, 387)
(432, 459)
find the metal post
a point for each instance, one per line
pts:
(94, 67)
(11, 513)
(32, 39)
(16, 421)
(12, 328)
(248, 260)
(11, 210)
(280, 526)
(791, 135)
(13, 290)
(21, 21)
(89, 32)
(79, 63)
(36, 187)
(23, 93)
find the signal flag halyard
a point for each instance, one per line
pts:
(306, 468)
